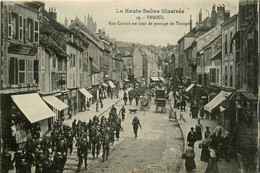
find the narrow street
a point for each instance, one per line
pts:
(158, 147)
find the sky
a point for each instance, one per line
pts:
(160, 32)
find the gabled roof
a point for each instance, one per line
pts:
(126, 51)
(79, 25)
(53, 22)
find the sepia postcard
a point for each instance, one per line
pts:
(129, 86)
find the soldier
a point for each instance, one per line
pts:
(48, 165)
(105, 145)
(136, 99)
(135, 124)
(70, 142)
(40, 164)
(123, 113)
(24, 167)
(85, 149)
(118, 128)
(98, 143)
(80, 153)
(6, 162)
(113, 109)
(58, 162)
(94, 145)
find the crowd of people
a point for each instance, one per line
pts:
(50, 154)
(213, 145)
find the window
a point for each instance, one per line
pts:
(71, 59)
(30, 30)
(217, 76)
(54, 62)
(231, 77)
(130, 71)
(13, 71)
(21, 71)
(21, 28)
(36, 31)
(10, 26)
(60, 64)
(212, 75)
(79, 63)
(231, 45)
(225, 47)
(36, 71)
(30, 71)
(74, 82)
(129, 62)
(74, 60)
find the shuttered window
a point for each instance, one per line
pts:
(36, 31)
(21, 71)
(21, 28)
(29, 71)
(10, 26)
(13, 71)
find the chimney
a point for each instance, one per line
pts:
(200, 15)
(220, 14)
(213, 16)
(53, 13)
(190, 23)
(66, 22)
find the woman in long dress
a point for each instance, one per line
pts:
(189, 159)
(204, 145)
(212, 164)
(199, 129)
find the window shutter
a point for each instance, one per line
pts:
(21, 21)
(36, 31)
(11, 71)
(10, 25)
(26, 34)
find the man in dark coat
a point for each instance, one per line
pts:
(123, 113)
(191, 139)
(135, 124)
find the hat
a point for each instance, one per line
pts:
(207, 127)
(192, 128)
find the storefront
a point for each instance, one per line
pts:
(73, 100)
(190, 92)
(212, 107)
(58, 107)
(30, 118)
(85, 98)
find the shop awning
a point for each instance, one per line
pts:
(86, 93)
(162, 79)
(55, 102)
(217, 100)
(155, 79)
(105, 85)
(111, 84)
(33, 107)
(190, 87)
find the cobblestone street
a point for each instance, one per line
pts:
(158, 147)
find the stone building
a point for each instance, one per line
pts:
(20, 75)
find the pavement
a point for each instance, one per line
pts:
(158, 147)
(185, 124)
(89, 114)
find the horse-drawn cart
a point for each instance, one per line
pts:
(160, 100)
(161, 105)
(145, 103)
